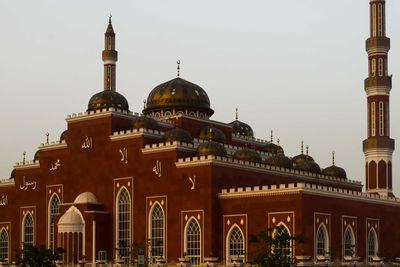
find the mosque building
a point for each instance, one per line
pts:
(190, 190)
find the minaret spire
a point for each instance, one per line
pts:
(110, 57)
(378, 147)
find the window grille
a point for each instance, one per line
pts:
(123, 224)
(3, 245)
(54, 209)
(380, 67)
(193, 242)
(286, 246)
(157, 232)
(321, 242)
(28, 225)
(380, 20)
(373, 118)
(372, 248)
(348, 243)
(236, 243)
(373, 67)
(381, 119)
(373, 20)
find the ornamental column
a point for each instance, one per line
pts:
(378, 147)
(110, 57)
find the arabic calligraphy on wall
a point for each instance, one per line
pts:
(193, 182)
(88, 143)
(55, 165)
(157, 168)
(3, 200)
(124, 155)
(26, 184)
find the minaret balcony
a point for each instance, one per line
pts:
(381, 81)
(110, 55)
(377, 44)
(374, 143)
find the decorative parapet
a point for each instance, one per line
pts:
(53, 145)
(260, 167)
(7, 182)
(295, 188)
(250, 140)
(134, 133)
(93, 114)
(27, 165)
(168, 146)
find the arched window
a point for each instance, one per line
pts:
(380, 20)
(322, 241)
(157, 232)
(349, 243)
(124, 224)
(3, 245)
(28, 229)
(373, 118)
(387, 119)
(54, 209)
(380, 67)
(193, 242)
(381, 118)
(373, 20)
(285, 247)
(235, 243)
(372, 245)
(373, 67)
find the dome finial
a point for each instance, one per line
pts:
(23, 157)
(302, 144)
(272, 136)
(178, 67)
(277, 143)
(109, 18)
(47, 138)
(144, 103)
(333, 158)
(236, 113)
(307, 150)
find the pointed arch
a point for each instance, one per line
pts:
(372, 245)
(322, 240)
(123, 223)
(235, 243)
(349, 242)
(28, 226)
(157, 231)
(4, 244)
(287, 247)
(193, 241)
(52, 210)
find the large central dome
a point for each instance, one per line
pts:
(178, 96)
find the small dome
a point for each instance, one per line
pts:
(308, 165)
(70, 217)
(211, 133)
(335, 171)
(144, 121)
(178, 94)
(247, 154)
(37, 156)
(301, 158)
(272, 148)
(108, 99)
(279, 160)
(211, 148)
(64, 136)
(178, 134)
(86, 197)
(241, 128)
(12, 175)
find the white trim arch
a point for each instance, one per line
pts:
(375, 244)
(157, 231)
(325, 248)
(280, 224)
(50, 220)
(4, 244)
(349, 249)
(228, 243)
(126, 215)
(195, 240)
(28, 230)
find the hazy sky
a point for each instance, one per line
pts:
(294, 66)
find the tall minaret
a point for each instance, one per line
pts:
(110, 57)
(378, 147)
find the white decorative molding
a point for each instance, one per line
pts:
(27, 165)
(52, 145)
(99, 113)
(135, 133)
(168, 146)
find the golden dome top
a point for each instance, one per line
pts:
(308, 165)
(146, 122)
(180, 95)
(247, 154)
(335, 171)
(178, 134)
(241, 128)
(272, 148)
(279, 160)
(64, 136)
(212, 133)
(37, 156)
(211, 148)
(108, 99)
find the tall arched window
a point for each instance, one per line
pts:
(381, 127)
(373, 20)
(322, 241)
(373, 118)
(373, 67)
(157, 232)
(387, 119)
(372, 245)
(124, 225)
(235, 243)
(28, 229)
(380, 67)
(193, 242)
(54, 209)
(349, 243)
(380, 20)
(286, 246)
(3, 245)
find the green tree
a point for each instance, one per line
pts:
(34, 256)
(274, 246)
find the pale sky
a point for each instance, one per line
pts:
(293, 66)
